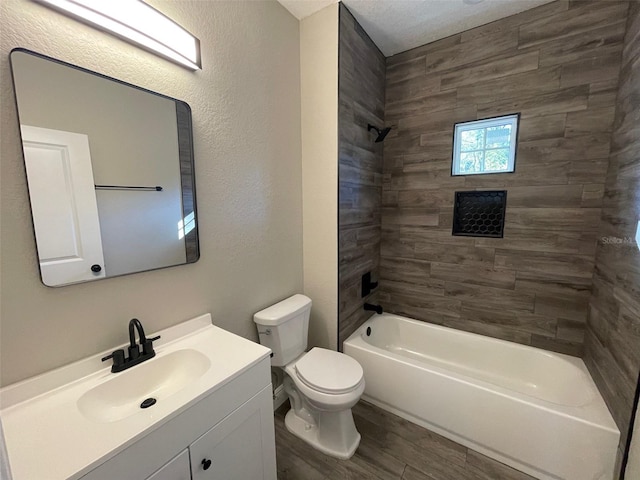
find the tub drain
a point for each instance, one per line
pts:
(148, 403)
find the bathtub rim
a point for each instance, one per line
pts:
(594, 412)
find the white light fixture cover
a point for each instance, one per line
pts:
(139, 23)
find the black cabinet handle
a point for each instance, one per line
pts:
(96, 268)
(206, 464)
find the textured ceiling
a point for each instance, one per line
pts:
(399, 25)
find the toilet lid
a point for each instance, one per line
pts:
(328, 371)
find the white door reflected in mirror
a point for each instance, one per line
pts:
(63, 202)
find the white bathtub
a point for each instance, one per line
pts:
(535, 410)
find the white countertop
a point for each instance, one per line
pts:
(47, 436)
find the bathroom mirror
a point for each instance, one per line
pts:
(109, 169)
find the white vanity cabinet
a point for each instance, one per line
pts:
(213, 408)
(230, 432)
(239, 447)
(176, 469)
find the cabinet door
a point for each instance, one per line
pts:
(176, 469)
(240, 447)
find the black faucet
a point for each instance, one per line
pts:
(135, 357)
(373, 308)
(134, 348)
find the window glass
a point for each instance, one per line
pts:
(485, 146)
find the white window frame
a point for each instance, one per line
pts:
(512, 120)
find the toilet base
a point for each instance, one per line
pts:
(339, 437)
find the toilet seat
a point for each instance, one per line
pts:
(329, 372)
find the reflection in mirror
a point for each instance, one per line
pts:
(110, 172)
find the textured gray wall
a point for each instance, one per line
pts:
(246, 116)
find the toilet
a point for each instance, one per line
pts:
(322, 384)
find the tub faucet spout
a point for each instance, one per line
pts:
(373, 308)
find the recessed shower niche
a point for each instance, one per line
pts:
(480, 214)
(110, 172)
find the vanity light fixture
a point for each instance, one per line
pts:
(138, 23)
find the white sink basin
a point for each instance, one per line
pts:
(85, 409)
(158, 378)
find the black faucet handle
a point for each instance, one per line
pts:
(367, 284)
(147, 346)
(118, 357)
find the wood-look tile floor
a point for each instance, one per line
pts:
(391, 449)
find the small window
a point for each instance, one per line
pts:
(485, 146)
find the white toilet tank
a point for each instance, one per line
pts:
(284, 327)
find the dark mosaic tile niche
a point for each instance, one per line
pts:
(480, 214)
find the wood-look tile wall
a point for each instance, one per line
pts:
(612, 346)
(187, 174)
(361, 80)
(557, 65)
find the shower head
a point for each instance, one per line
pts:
(381, 133)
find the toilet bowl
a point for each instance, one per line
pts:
(329, 380)
(321, 397)
(322, 384)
